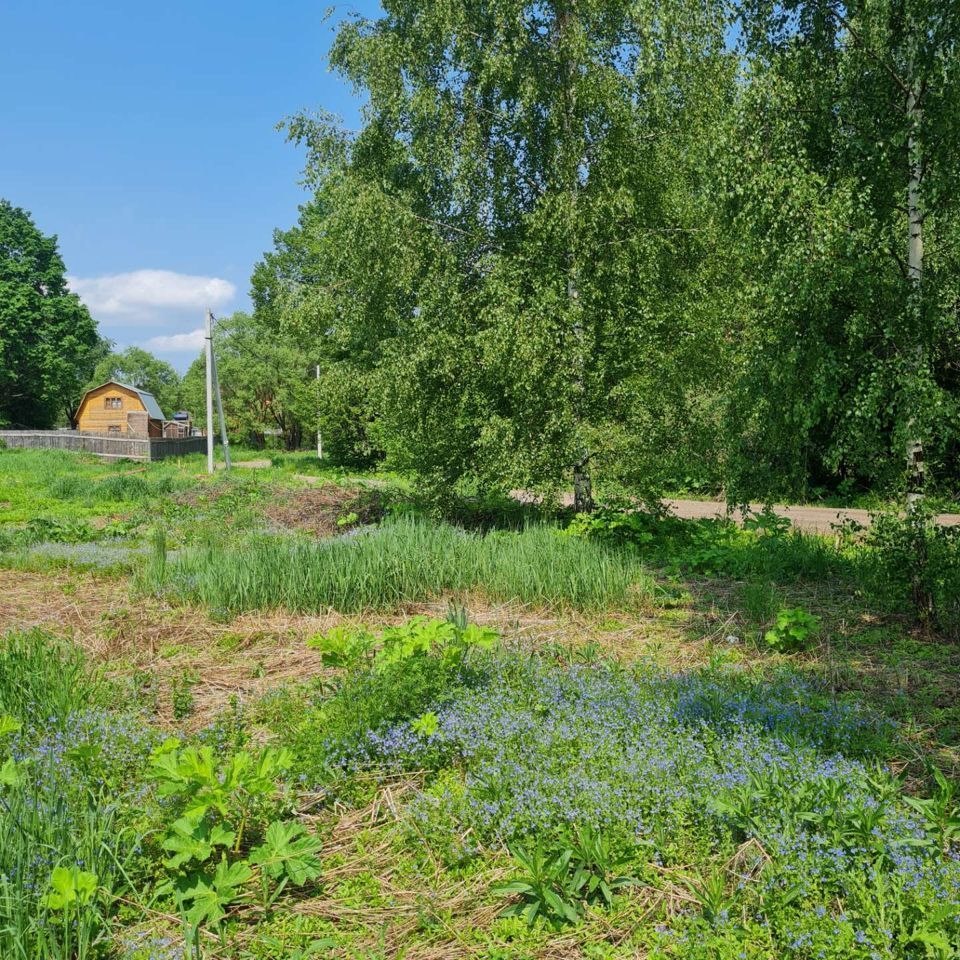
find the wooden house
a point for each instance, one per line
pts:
(116, 409)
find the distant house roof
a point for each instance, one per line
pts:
(147, 399)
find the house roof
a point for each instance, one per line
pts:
(147, 399)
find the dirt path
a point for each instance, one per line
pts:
(811, 519)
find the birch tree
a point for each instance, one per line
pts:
(850, 205)
(522, 185)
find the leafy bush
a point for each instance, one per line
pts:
(214, 810)
(792, 631)
(42, 529)
(765, 547)
(915, 562)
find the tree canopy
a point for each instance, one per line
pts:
(268, 384)
(48, 341)
(664, 243)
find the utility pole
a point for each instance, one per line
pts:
(319, 436)
(216, 389)
(209, 349)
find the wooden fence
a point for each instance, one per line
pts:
(110, 448)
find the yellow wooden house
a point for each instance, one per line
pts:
(117, 409)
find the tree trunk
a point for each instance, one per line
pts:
(569, 158)
(916, 473)
(582, 487)
(915, 466)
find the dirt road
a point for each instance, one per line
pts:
(811, 519)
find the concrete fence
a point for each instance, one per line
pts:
(110, 448)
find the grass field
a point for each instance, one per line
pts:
(290, 713)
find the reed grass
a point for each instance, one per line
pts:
(405, 560)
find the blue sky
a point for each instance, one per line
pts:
(143, 135)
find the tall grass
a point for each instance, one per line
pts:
(405, 560)
(44, 680)
(44, 824)
(52, 814)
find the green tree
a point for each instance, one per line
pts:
(844, 215)
(511, 242)
(48, 341)
(266, 382)
(138, 368)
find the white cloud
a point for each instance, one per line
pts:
(150, 290)
(192, 341)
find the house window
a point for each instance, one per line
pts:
(112, 403)
(113, 428)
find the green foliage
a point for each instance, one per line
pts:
(421, 637)
(940, 812)
(503, 255)
(51, 530)
(844, 356)
(287, 854)
(70, 889)
(710, 894)
(208, 895)
(718, 547)
(426, 725)
(266, 380)
(915, 562)
(565, 875)
(181, 696)
(352, 646)
(792, 630)
(342, 646)
(601, 239)
(218, 806)
(198, 783)
(417, 666)
(48, 341)
(615, 526)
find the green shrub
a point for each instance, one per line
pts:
(793, 630)
(52, 530)
(403, 674)
(367, 703)
(215, 809)
(765, 548)
(914, 562)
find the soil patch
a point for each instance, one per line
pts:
(325, 510)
